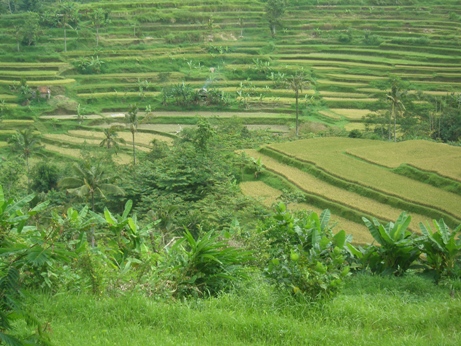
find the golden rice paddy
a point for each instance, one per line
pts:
(141, 138)
(69, 139)
(436, 157)
(354, 126)
(330, 155)
(315, 186)
(351, 113)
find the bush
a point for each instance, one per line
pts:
(442, 248)
(305, 257)
(45, 177)
(398, 247)
(355, 134)
(203, 266)
(86, 65)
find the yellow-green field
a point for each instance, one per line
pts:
(315, 186)
(436, 157)
(330, 155)
(120, 158)
(69, 139)
(268, 196)
(354, 126)
(75, 153)
(355, 114)
(141, 138)
(16, 122)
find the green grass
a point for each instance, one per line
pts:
(369, 311)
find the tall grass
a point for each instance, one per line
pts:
(370, 311)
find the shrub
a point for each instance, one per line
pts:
(86, 65)
(355, 134)
(203, 266)
(442, 248)
(305, 257)
(45, 177)
(398, 247)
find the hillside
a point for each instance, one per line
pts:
(348, 47)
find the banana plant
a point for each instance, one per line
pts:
(442, 248)
(22, 248)
(305, 257)
(398, 246)
(127, 238)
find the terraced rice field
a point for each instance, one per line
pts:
(435, 157)
(348, 47)
(354, 126)
(329, 155)
(70, 139)
(120, 158)
(141, 138)
(268, 196)
(312, 185)
(70, 152)
(355, 114)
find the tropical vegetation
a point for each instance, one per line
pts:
(258, 172)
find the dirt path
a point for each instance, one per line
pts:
(205, 114)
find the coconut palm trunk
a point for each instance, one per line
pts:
(297, 112)
(134, 149)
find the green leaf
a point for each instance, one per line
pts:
(109, 217)
(385, 236)
(133, 225)
(2, 197)
(426, 230)
(325, 218)
(354, 251)
(401, 225)
(339, 239)
(373, 230)
(128, 206)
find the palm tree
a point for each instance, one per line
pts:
(26, 143)
(132, 122)
(88, 180)
(394, 96)
(298, 83)
(99, 18)
(111, 138)
(67, 15)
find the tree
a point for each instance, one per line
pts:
(275, 9)
(99, 18)
(298, 83)
(111, 138)
(394, 97)
(67, 17)
(89, 180)
(449, 129)
(21, 252)
(31, 30)
(26, 143)
(131, 119)
(45, 177)
(12, 173)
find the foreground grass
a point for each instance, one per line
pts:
(370, 311)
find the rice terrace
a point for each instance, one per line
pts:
(239, 172)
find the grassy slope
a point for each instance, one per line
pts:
(370, 311)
